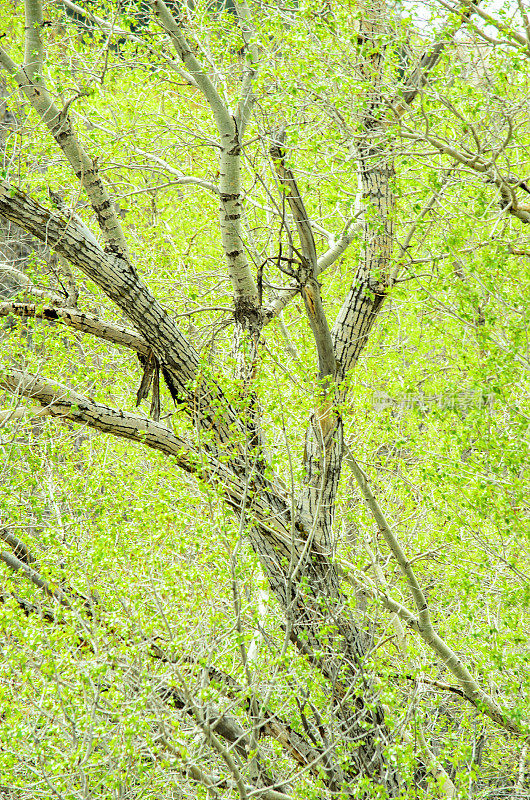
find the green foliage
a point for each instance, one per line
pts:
(160, 563)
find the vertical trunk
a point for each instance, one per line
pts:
(376, 171)
(358, 714)
(320, 625)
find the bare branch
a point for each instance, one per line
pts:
(452, 661)
(501, 26)
(482, 166)
(21, 551)
(182, 178)
(58, 123)
(419, 77)
(104, 24)
(64, 402)
(307, 275)
(13, 279)
(77, 243)
(79, 321)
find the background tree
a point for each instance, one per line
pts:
(194, 179)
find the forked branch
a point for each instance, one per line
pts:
(307, 272)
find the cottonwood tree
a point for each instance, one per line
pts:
(371, 98)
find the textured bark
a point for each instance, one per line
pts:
(304, 579)
(377, 174)
(320, 624)
(30, 81)
(295, 550)
(79, 321)
(307, 271)
(299, 569)
(179, 360)
(323, 443)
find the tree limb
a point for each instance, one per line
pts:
(84, 13)
(32, 85)
(307, 275)
(420, 75)
(79, 321)
(425, 628)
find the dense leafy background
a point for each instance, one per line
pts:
(158, 557)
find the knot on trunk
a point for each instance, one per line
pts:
(248, 314)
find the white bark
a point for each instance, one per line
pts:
(58, 123)
(446, 785)
(243, 283)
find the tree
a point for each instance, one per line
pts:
(250, 147)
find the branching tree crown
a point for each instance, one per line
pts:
(284, 247)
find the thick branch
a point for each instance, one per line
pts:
(270, 510)
(250, 66)
(33, 51)
(34, 576)
(64, 402)
(185, 53)
(79, 321)
(72, 239)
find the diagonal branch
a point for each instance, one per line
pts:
(502, 27)
(477, 163)
(271, 724)
(296, 204)
(323, 446)
(32, 85)
(425, 628)
(270, 509)
(312, 599)
(35, 577)
(307, 275)
(61, 401)
(19, 548)
(420, 75)
(168, 22)
(225, 725)
(73, 240)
